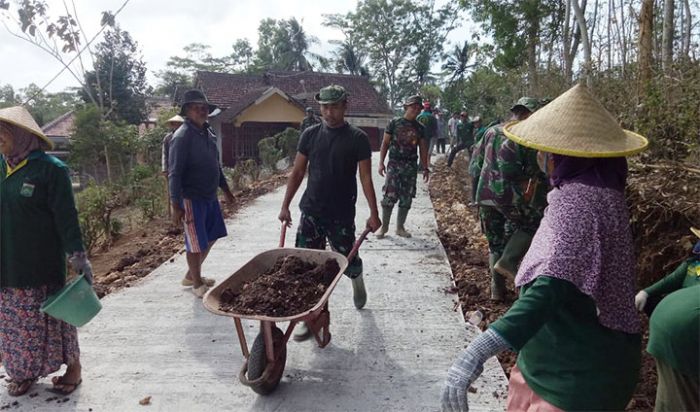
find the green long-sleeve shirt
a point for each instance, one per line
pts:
(38, 222)
(674, 331)
(686, 274)
(565, 355)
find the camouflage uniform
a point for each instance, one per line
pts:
(308, 122)
(506, 171)
(465, 139)
(313, 232)
(402, 167)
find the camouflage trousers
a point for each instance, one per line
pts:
(499, 223)
(400, 183)
(314, 232)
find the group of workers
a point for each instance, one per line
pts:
(575, 324)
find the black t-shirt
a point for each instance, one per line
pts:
(333, 155)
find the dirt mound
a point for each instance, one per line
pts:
(138, 252)
(290, 287)
(664, 201)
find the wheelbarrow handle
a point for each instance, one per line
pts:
(358, 242)
(283, 234)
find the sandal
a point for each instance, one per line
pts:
(63, 388)
(19, 388)
(189, 282)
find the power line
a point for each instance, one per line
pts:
(66, 65)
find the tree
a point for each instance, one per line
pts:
(349, 59)
(7, 96)
(119, 67)
(46, 107)
(400, 38)
(457, 63)
(242, 56)
(667, 39)
(282, 45)
(516, 27)
(646, 27)
(61, 37)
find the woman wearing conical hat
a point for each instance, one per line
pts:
(575, 326)
(674, 333)
(38, 230)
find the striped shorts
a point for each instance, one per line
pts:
(203, 223)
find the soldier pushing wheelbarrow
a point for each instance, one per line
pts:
(332, 150)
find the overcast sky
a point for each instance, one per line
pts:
(163, 27)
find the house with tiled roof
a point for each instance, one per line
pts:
(59, 132)
(261, 105)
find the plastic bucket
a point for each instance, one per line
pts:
(76, 303)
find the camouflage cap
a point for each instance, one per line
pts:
(331, 94)
(530, 103)
(411, 100)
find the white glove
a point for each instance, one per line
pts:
(467, 367)
(80, 264)
(640, 300)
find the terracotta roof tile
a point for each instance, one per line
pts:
(235, 91)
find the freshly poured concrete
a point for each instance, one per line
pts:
(156, 339)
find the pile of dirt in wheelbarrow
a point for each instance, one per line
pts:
(290, 287)
(663, 204)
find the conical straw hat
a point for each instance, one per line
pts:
(695, 231)
(576, 124)
(19, 116)
(176, 119)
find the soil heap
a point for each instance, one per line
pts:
(290, 287)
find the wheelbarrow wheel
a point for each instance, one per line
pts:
(257, 361)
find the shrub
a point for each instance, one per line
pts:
(95, 206)
(280, 146)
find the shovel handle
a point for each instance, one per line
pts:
(358, 242)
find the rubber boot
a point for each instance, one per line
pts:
(359, 293)
(386, 218)
(515, 250)
(498, 282)
(301, 332)
(400, 221)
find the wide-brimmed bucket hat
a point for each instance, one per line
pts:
(331, 94)
(195, 96)
(20, 117)
(576, 124)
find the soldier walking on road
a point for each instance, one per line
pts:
(402, 138)
(332, 151)
(465, 137)
(309, 120)
(511, 195)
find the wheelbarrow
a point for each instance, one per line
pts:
(264, 363)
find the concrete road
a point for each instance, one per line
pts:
(156, 339)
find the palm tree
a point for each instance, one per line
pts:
(348, 59)
(458, 62)
(292, 49)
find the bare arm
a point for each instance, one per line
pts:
(382, 152)
(295, 179)
(365, 167)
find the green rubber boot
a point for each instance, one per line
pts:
(400, 221)
(359, 293)
(498, 282)
(515, 250)
(386, 218)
